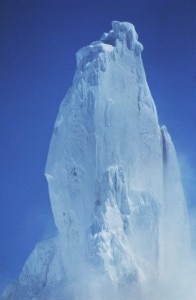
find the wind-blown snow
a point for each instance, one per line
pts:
(115, 188)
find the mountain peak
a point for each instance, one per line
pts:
(114, 186)
(122, 36)
(122, 31)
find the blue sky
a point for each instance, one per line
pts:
(38, 42)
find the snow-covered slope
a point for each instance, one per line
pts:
(114, 184)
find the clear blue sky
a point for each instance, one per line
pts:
(38, 42)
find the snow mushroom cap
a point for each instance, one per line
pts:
(123, 34)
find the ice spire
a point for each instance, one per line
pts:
(114, 183)
(106, 168)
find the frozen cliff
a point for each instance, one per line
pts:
(114, 186)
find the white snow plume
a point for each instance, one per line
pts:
(189, 182)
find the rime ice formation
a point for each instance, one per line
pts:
(114, 184)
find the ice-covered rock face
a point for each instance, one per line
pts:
(114, 186)
(113, 178)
